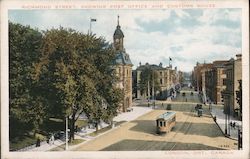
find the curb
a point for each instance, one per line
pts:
(222, 130)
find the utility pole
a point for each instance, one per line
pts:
(229, 121)
(153, 89)
(148, 93)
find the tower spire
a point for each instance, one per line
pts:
(118, 20)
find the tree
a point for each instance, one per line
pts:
(76, 73)
(239, 96)
(149, 77)
(25, 110)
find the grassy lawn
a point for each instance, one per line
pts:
(25, 141)
(81, 123)
(52, 125)
(62, 147)
(96, 133)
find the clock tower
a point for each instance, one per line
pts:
(118, 37)
(123, 69)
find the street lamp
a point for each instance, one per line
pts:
(239, 138)
(66, 135)
(153, 90)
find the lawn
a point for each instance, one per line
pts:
(24, 141)
(52, 125)
(81, 123)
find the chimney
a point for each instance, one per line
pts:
(160, 64)
(238, 57)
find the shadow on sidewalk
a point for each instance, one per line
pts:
(142, 145)
(201, 129)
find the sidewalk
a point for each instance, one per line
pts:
(83, 134)
(220, 120)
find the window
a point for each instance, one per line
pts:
(160, 123)
(164, 124)
(161, 81)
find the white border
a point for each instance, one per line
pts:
(42, 4)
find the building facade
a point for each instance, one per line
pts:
(233, 70)
(214, 82)
(199, 78)
(123, 68)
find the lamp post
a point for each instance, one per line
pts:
(153, 90)
(66, 135)
(239, 139)
(148, 93)
(225, 111)
(229, 121)
(226, 124)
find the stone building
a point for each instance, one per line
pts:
(123, 68)
(167, 78)
(199, 76)
(214, 82)
(233, 71)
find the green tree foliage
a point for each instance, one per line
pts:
(25, 109)
(149, 77)
(76, 76)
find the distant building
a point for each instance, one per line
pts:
(123, 68)
(233, 71)
(168, 79)
(199, 80)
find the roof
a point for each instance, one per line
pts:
(122, 58)
(118, 32)
(219, 63)
(153, 66)
(166, 115)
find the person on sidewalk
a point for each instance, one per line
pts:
(38, 142)
(50, 141)
(52, 138)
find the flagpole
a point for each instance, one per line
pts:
(90, 26)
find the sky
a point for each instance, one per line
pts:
(187, 36)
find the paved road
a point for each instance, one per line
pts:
(190, 133)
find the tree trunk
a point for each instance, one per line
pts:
(96, 126)
(72, 128)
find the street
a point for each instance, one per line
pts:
(190, 132)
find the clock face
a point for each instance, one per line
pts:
(117, 40)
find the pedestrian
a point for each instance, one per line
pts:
(233, 124)
(52, 138)
(38, 142)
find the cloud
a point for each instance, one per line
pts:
(187, 36)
